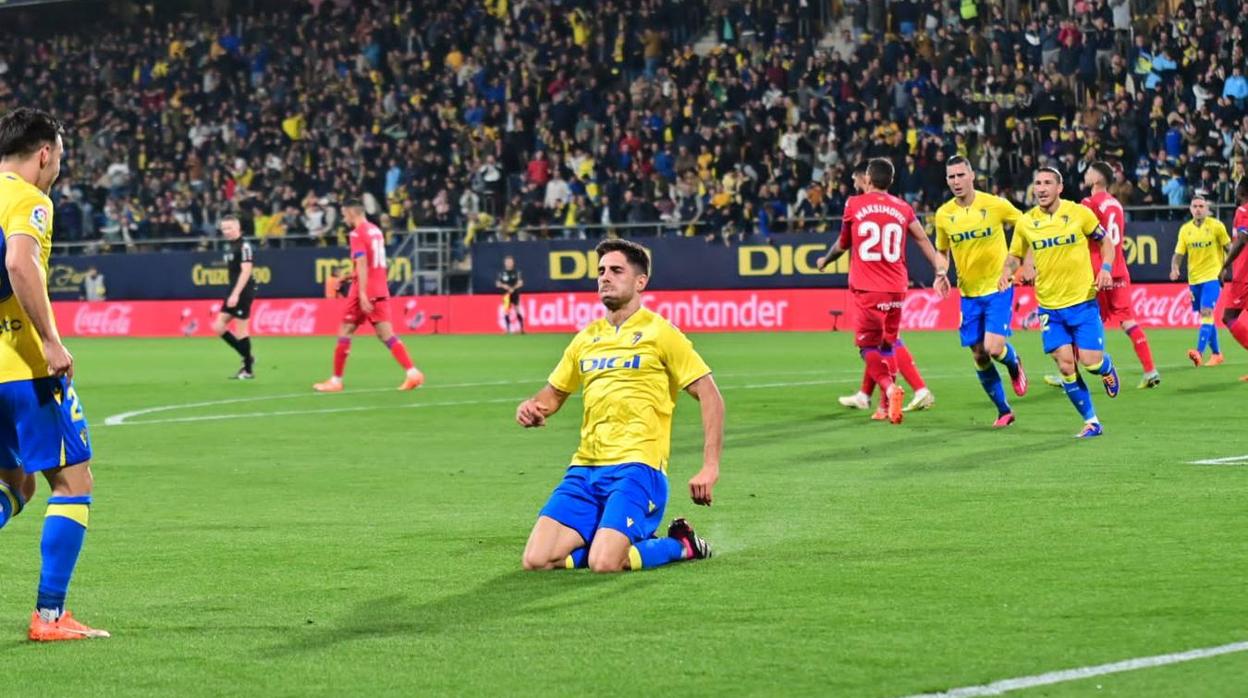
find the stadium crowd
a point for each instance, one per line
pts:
(556, 115)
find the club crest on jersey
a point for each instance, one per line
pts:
(636, 338)
(606, 363)
(39, 219)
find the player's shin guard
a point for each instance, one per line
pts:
(11, 503)
(578, 559)
(878, 367)
(1008, 358)
(991, 380)
(654, 552)
(230, 339)
(1079, 396)
(1214, 345)
(64, 528)
(1104, 368)
(906, 366)
(341, 352)
(1202, 339)
(396, 347)
(1239, 329)
(1139, 342)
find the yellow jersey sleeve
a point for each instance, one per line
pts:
(566, 378)
(684, 365)
(942, 233)
(30, 214)
(1180, 245)
(1087, 221)
(1018, 243)
(1223, 239)
(1009, 214)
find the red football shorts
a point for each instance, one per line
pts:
(355, 315)
(879, 318)
(1237, 296)
(1116, 304)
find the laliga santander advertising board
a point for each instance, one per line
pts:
(763, 310)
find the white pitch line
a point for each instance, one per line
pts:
(123, 418)
(1232, 460)
(997, 688)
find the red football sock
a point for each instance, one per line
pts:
(1239, 329)
(868, 383)
(880, 367)
(400, 352)
(1139, 342)
(905, 365)
(341, 352)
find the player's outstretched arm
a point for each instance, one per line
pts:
(1012, 264)
(708, 396)
(534, 411)
(31, 288)
(1236, 248)
(938, 262)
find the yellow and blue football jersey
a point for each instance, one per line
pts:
(24, 210)
(976, 236)
(631, 376)
(1205, 247)
(1059, 244)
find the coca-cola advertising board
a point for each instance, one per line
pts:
(1156, 305)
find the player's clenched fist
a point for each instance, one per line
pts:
(700, 486)
(529, 414)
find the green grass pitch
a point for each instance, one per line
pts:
(258, 539)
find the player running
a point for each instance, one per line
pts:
(237, 307)
(873, 231)
(42, 425)
(510, 281)
(971, 225)
(1204, 241)
(923, 398)
(1235, 270)
(368, 300)
(1056, 232)
(1115, 303)
(630, 365)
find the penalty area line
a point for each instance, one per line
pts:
(1230, 460)
(998, 688)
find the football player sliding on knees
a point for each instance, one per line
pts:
(873, 231)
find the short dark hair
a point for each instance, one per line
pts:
(353, 203)
(25, 130)
(958, 160)
(1053, 171)
(1104, 169)
(880, 172)
(859, 168)
(637, 256)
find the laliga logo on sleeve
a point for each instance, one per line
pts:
(39, 216)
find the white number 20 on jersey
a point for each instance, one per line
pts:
(879, 243)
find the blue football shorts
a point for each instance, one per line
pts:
(629, 498)
(1205, 296)
(1079, 325)
(42, 425)
(991, 313)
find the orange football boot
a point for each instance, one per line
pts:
(63, 628)
(413, 380)
(329, 386)
(1215, 359)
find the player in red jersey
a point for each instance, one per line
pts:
(909, 370)
(1235, 270)
(873, 232)
(368, 301)
(1115, 301)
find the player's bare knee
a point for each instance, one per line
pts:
(979, 352)
(71, 481)
(605, 563)
(532, 561)
(993, 346)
